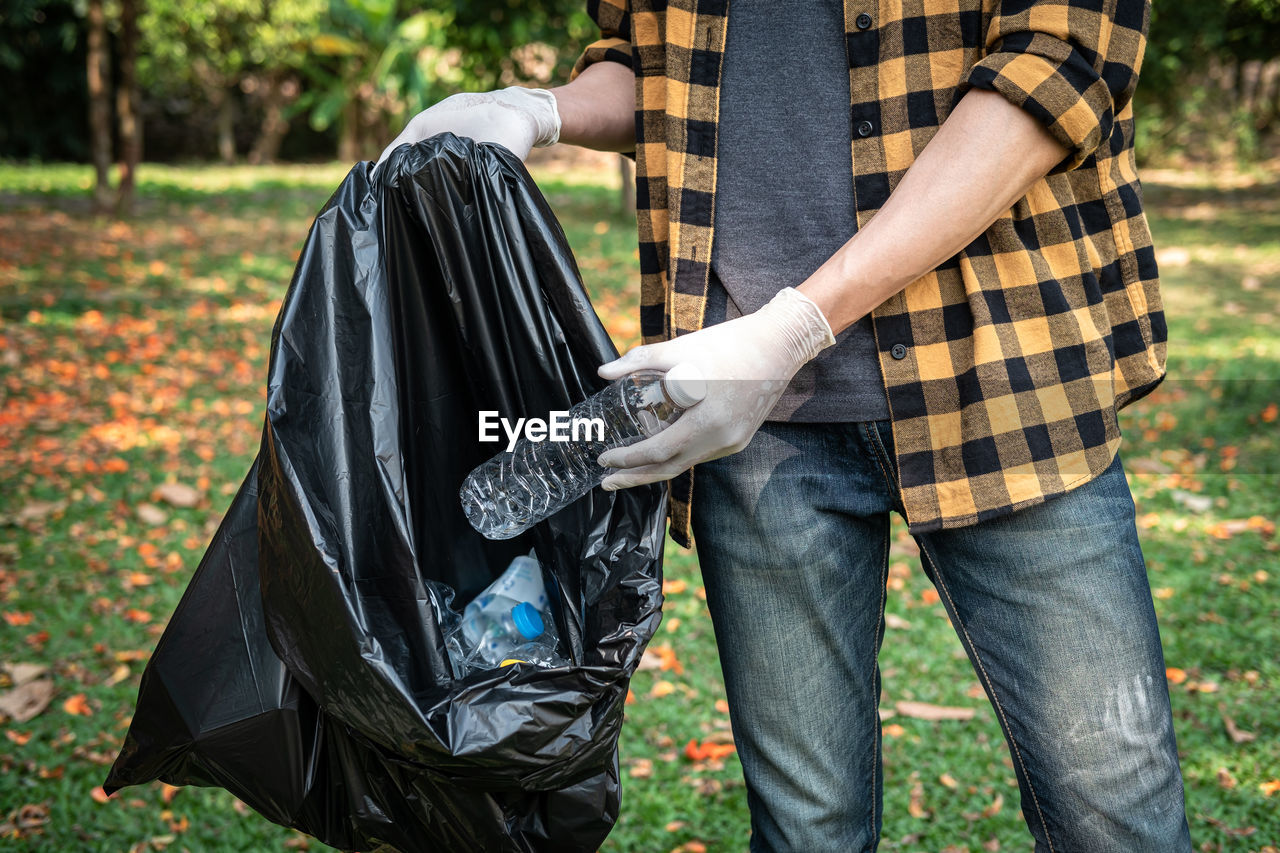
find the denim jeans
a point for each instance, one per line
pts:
(1051, 603)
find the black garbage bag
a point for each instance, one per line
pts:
(305, 668)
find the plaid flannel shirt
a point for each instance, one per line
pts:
(1006, 365)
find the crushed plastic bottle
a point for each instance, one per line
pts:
(509, 622)
(515, 490)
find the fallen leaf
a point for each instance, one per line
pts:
(661, 658)
(661, 688)
(99, 795)
(178, 494)
(37, 510)
(119, 674)
(948, 781)
(996, 805)
(925, 711)
(674, 587)
(690, 847)
(893, 620)
(78, 705)
(20, 738)
(19, 617)
(1192, 501)
(674, 826)
(915, 804)
(133, 614)
(722, 706)
(641, 768)
(168, 792)
(930, 596)
(151, 514)
(1269, 788)
(27, 700)
(1237, 734)
(1175, 675)
(894, 730)
(21, 673)
(1225, 780)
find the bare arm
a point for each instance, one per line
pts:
(985, 157)
(597, 110)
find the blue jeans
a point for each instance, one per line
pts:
(1051, 603)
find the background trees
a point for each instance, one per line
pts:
(314, 79)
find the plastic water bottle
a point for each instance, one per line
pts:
(509, 621)
(514, 491)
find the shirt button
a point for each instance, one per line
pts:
(865, 129)
(863, 21)
(899, 351)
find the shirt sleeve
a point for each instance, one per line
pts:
(614, 19)
(1072, 64)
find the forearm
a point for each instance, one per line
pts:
(984, 157)
(597, 110)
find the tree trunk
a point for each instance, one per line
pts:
(127, 100)
(349, 132)
(226, 127)
(99, 73)
(279, 91)
(628, 185)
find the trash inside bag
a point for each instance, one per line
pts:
(306, 668)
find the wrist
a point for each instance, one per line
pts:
(804, 329)
(540, 105)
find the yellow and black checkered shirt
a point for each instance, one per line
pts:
(1005, 366)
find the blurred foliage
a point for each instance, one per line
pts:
(192, 43)
(1211, 80)
(357, 69)
(42, 75)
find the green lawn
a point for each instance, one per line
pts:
(132, 355)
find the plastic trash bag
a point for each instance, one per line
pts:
(304, 669)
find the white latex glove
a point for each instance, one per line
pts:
(747, 363)
(515, 117)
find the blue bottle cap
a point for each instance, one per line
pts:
(528, 620)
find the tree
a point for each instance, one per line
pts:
(99, 83)
(128, 99)
(220, 48)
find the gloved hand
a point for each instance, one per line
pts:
(747, 363)
(515, 117)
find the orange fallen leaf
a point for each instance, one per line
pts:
(99, 795)
(19, 617)
(994, 809)
(1175, 675)
(133, 614)
(20, 738)
(78, 705)
(1269, 788)
(894, 730)
(674, 587)
(631, 697)
(930, 596)
(662, 688)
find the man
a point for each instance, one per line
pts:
(904, 244)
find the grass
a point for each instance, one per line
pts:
(132, 355)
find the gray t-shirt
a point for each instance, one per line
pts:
(784, 190)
